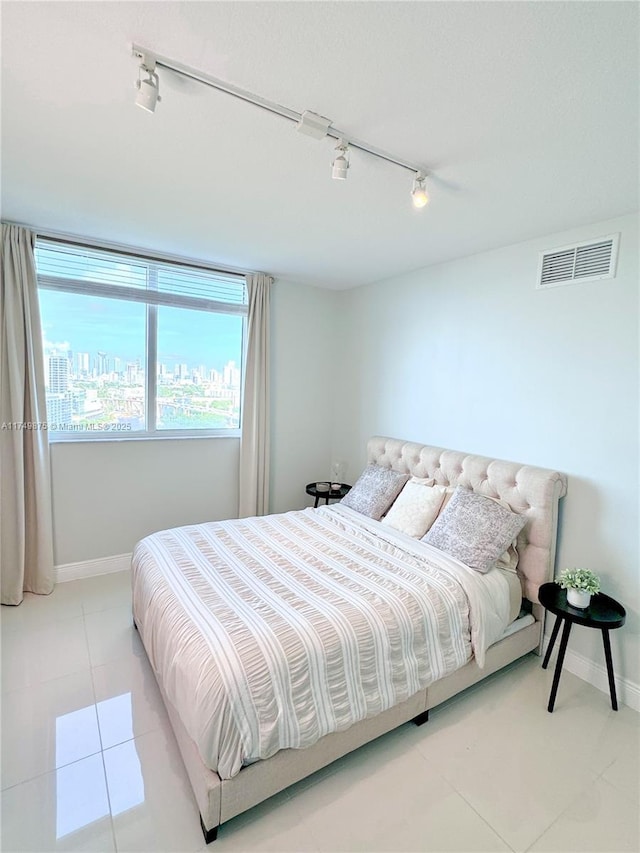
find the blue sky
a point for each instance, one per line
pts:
(117, 327)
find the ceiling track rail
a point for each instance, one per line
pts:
(153, 60)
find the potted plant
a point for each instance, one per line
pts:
(580, 584)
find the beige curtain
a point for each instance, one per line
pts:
(254, 444)
(26, 539)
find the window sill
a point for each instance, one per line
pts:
(79, 438)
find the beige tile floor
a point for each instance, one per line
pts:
(89, 761)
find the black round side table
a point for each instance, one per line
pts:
(329, 495)
(603, 612)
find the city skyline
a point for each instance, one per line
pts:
(108, 400)
(100, 363)
(86, 323)
(95, 366)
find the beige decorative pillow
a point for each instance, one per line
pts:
(474, 529)
(449, 490)
(375, 490)
(424, 481)
(509, 560)
(515, 594)
(416, 508)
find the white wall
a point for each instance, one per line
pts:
(107, 495)
(469, 355)
(305, 349)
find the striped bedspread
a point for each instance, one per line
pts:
(268, 633)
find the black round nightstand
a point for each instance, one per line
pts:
(330, 495)
(603, 612)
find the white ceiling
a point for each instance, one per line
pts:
(527, 113)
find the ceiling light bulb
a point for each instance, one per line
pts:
(419, 195)
(148, 91)
(340, 162)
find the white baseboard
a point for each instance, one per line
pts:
(596, 674)
(91, 568)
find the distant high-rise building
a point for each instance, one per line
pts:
(134, 373)
(78, 399)
(181, 371)
(231, 375)
(82, 363)
(102, 363)
(58, 374)
(59, 407)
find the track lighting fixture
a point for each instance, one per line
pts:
(313, 125)
(149, 89)
(340, 162)
(307, 122)
(419, 195)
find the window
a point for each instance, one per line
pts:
(138, 347)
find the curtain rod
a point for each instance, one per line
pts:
(138, 252)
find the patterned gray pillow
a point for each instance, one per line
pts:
(375, 490)
(474, 529)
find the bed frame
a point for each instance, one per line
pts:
(533, 492)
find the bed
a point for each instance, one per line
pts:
(342, 627)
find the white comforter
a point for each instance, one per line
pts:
(268, 633)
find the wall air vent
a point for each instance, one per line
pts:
(588, 261)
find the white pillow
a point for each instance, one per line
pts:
(416, 508)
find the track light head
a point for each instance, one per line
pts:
(340, 162)
(149, 89)
(419, 195)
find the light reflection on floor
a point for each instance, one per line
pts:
(69, 729)
(116, 719)
(124, 768)
(81, 793)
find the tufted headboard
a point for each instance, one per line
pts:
(533, 492)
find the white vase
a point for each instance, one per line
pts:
(578, 598)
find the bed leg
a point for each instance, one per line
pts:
(421, 718)
(209, 834)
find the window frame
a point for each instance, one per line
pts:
(152, 298)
